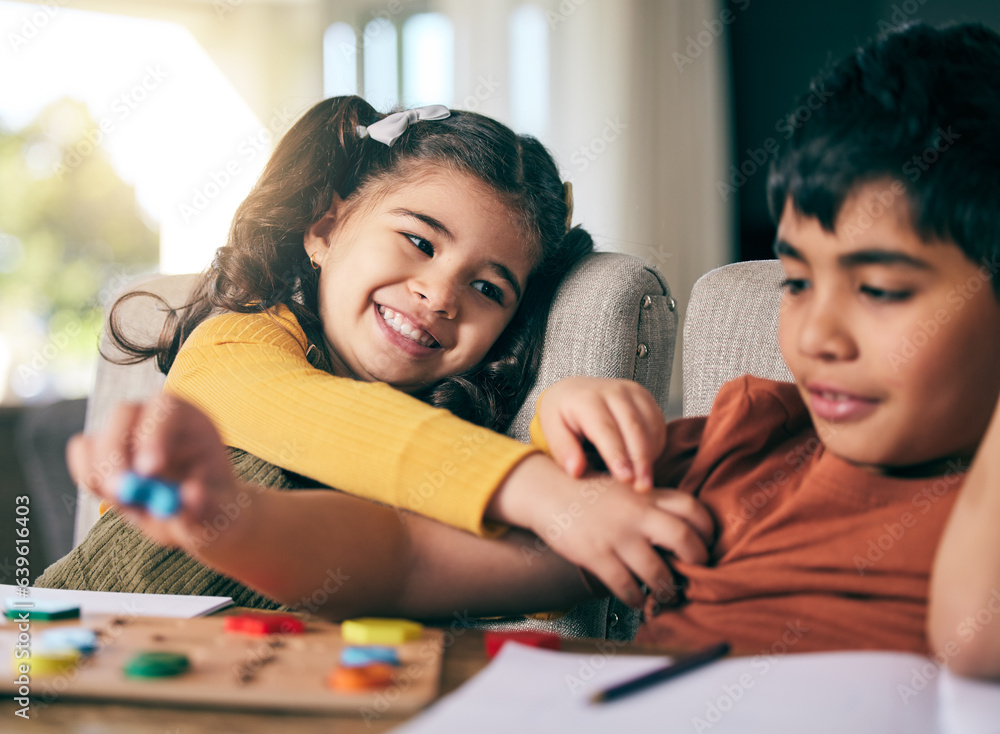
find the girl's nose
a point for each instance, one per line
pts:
(438, 295)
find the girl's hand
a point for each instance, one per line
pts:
(603, 525)
(619, 417)
(168, 439)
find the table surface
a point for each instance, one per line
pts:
(462, 660)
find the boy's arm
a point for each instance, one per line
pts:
(965, 579)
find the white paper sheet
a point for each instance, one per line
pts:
(530, 690)
(107, 602)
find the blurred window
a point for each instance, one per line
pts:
(340, 61)
(412, 64)
(528, 37)
(428, 60)
(381, 64)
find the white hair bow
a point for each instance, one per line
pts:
(389, 128)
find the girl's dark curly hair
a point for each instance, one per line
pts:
(265, 264)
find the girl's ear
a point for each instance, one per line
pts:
(317, 238)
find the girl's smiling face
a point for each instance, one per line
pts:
(418, 281)
(893, 342)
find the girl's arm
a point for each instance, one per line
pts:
(964, 607)
(248, 372)
(318, 549)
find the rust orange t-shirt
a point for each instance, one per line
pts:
(812, 552)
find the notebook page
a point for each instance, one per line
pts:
(530, 690)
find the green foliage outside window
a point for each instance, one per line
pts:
(71, 236)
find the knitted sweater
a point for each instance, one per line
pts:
(267, 388)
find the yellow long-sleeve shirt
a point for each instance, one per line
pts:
(250, 374)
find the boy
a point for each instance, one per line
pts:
(885, 200)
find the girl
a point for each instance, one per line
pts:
(384, 268)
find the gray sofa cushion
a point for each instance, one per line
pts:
(731, 329)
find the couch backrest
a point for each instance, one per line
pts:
(731, 329)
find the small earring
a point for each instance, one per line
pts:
(313, 263)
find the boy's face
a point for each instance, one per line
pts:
(894, 343)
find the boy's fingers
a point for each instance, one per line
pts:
(688, 509)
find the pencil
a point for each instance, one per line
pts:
(674, 669)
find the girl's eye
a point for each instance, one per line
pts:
(885, 296)
(421, 244)
(794, 286)
(489, 290)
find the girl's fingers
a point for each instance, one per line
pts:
(565, 446)
(645, 563)
(617, 578)
(597, 424)
(641, 435)
(113, 446)
(687, 508)
(671, 533)
(79, 459)
(655, 433)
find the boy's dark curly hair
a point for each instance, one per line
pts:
(920, 106)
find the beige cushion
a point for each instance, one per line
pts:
(731, 329)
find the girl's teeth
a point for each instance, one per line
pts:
(396, 322)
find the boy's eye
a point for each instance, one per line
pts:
(794, 286)
(421, 244)
(885, 296)
(489, 290)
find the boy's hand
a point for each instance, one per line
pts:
(619, 417)
(168, 439)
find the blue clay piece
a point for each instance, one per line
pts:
(365, 655)
(160, 498)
